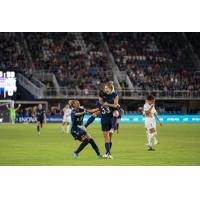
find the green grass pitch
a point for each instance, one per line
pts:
(20, 146)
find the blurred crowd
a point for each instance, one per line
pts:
(153, 61)
(77, 65)
(11, 54)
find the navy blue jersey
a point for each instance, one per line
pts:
(76, 120)
(110, 97)
(105, 112)
(40, 114)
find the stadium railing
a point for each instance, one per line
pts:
(124, 94)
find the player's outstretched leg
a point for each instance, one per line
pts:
(95, 147)
(83, 144)
(89, 121)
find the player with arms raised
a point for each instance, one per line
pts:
(13, 111)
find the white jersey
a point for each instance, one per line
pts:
(152, 112)
(150, 121)
(67, 115)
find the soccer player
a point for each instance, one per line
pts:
(13, 111)
(150, 123)
(77, 116)
(66, 118)
(41, 118)
(111, 100)
(108, 108)
(116, 116)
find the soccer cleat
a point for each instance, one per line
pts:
(99, 156)
(110, 157)
(150, 148)
(83, 128)
(38, 133)
(111, 130)
(75, 155)
(156, 142)
(105, 156)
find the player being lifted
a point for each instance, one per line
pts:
(116, 116)
(13, 111)
(108, 110)
(41, 118)
(150, 122)
(66, 119)
(77, 116)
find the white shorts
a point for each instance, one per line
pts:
(150, 123)
(66, 119)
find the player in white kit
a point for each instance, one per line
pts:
(150, 122)
(66, 119)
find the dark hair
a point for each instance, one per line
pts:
(150, 97)
(102, 94)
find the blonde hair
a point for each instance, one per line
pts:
(110, 84)
(71, 103)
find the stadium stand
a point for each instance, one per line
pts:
(76, 65)
(77, 61)
(154, 61)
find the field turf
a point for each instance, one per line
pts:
(20, 146)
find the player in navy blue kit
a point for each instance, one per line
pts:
(107, 106)
(41, 118)
(109, 115)
(77, 116)
(115, 123)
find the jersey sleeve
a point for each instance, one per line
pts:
(98, 105)
(115, 95)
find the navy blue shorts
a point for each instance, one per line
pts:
(78, 134)
(106, 124)
(41, 121)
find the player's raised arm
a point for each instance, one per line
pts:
(18, 107)
(7, 107)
